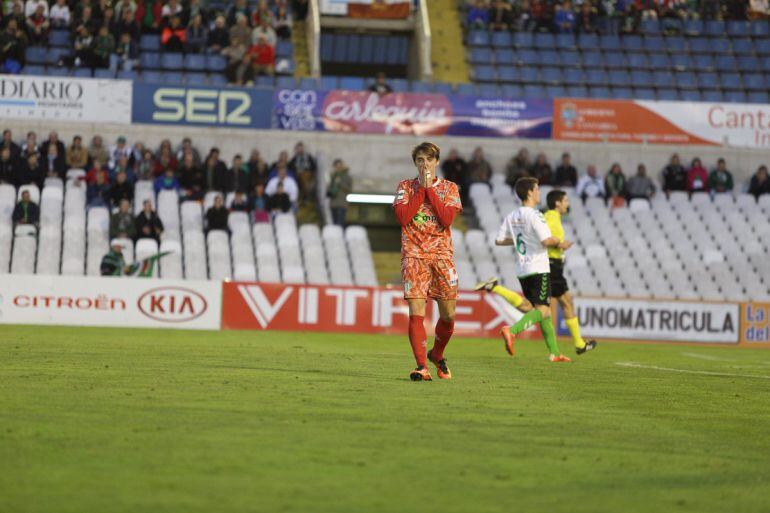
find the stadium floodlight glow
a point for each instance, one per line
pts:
(370, 198)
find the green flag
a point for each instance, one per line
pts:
(145, 268)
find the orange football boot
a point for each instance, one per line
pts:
(508, 338)
(420, 374)
(441, 369)
(560, 358)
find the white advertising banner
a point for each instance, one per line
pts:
(110, 301)
(658, 320)
(65, 99)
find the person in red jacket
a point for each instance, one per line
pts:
(173, 36)
(697, 177)
(426, 207)
(263, 57)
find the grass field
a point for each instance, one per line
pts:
(104, 420)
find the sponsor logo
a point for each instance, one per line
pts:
(421, 219)
(209, 106)
(100, 302)
(172, 304)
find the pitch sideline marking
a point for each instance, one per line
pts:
(686, 371)
(726, 360)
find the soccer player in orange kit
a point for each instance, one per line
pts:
(425, 207)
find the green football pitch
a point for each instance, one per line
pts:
(105, 420)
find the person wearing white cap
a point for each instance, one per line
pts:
(113, 263)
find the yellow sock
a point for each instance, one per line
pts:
(509, 295)
(574, 328)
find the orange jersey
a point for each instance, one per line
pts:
(424, 236)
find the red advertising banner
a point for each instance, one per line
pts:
(261, 306)
(379, 9)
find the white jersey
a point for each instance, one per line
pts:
(527, 227)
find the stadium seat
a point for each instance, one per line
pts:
(714, 28)
(501, 39)
(149, 60)
(523, 40)
(215, 63)
(484, 73)
(59, 38)
(172, 61)
(544, 41)
(149, 43)
(644, 93)
(482, 56)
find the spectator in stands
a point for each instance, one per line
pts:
(191, 179)
(145, 168)
(98, 192)
(118, 151)
(239, 70)
(197, 35)
(38, 25)
(172, 9)
(8, 165)
(60, 14)
(615, 185)
(104, 46)
(84, 48)
(263, 58)
(479, 170)
(259, 204)
(113, 263)
(478, 15)
(262, 14)
(541, 16)
(287, 184)
(590, 185)
(564, 19)
(264, 31)
(587, 22)
(26, 212)
(53, 139)
(720, 179)
(77, 156)
(380, 86)
(54, 163)
(517, 167)
(148, 225)
(126, 54)
(187, 147)
(122, 222)
(236, 9)
(240, 30)
(149, 16)
(279, 201)
(674, 176)
(193, 9)
(541, 170)
(121, 189)
(697, 177)
(216, 215)
(760, 183)
(218, 38)
(215, 172)
(240, 202)
(758, 9)
(304, 167)
(640, 185)
(340, 185)
(30, 172)
(14, 148)
(500, 16)
(237, 176)
(455, 169)
(13, 45)
(173, 36)
(282, 22)
(166, 182)
(258, 170)
(165, 160)
(566, 174)
(86, 19)
(30, 146)
(283, 160)
(96, 167)
(127, 25)
(97, 149)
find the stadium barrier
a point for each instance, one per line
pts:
(755, 324)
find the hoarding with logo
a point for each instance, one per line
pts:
(677, 321)
(755, 324)
(118, 302)
(653, 122)
(261, 306)
(65, 99)
(204, 106)
(365, 112)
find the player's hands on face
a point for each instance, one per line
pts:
(427, 172)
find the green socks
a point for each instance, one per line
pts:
(529, 319)
(550, 336)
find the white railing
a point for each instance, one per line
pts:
(424, 41)
(313, 27)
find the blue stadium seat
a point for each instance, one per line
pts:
(737, 28)
(621, 93)
(588, 42)
(284, 66)
(484, 73)
(353, 55)
(54, 55)
(668, 94)
(637, 61)
(151, 77)
(765, 64)
(671, 25)
(592, 59)
(754, 82)
(290, 83)
(759, 29)
(548, 57)
(708, 80)
(57, 71)
(507, 74)
(574, 76)
(555, 91)
(693, 27)
(690, 95)
(550, 74)
(703, 62)
(149, 60)
(644, 93)
(502, 39)
(215, 63)
(149, 43)
(649, 27)
(127, 75)
(743, 46)
(610, 42)
(399, 85)
(654, 44)
(172, 61)
(700, 45)
(59, 38)
(285, 49)
(633, 44)
(196, 79)
(347, 83)
(328, 83)
(340, 47)
(712, 96)
(569, 57)
(505, 56)
(480, 55)
(577, 91)
(403, 50)
(487, 90)
(442, 87)
(309, 83)
(33, 69)
(714, 28)
(565, 41)
(675, 44)
(663, 79)
(681, 61)
(478, 38)
(36, 55)
(597, 77)
(720, 45)
(659, 61)
(725, 63)
(619, 78)
(217, 80)
(172, 77)
(327, 47)
(465, 89)
(527, 57)
(511, 91)
(533, 91)
(523, 40)
(758, 97)
(614, 60)
(642, 78)
(195, 62)
(103, 73)
(545, 41)
(528, 74)
(748, 63)
(731, 81)
(686, 80)
(735, 96)
(366, 52)
(379, 50)
(264, 82)
(599, 92)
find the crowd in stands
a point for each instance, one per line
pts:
(103, 34)
(109, 174)
(615, 186)
(607, 16)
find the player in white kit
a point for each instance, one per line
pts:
(525, 229)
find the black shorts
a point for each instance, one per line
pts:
(537, 288)
(558, 282)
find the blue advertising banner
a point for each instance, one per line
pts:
(411, 113)
(204, 106)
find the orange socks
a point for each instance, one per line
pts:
(418, 338)
(444, 332)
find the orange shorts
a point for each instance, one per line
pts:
(424, 278)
